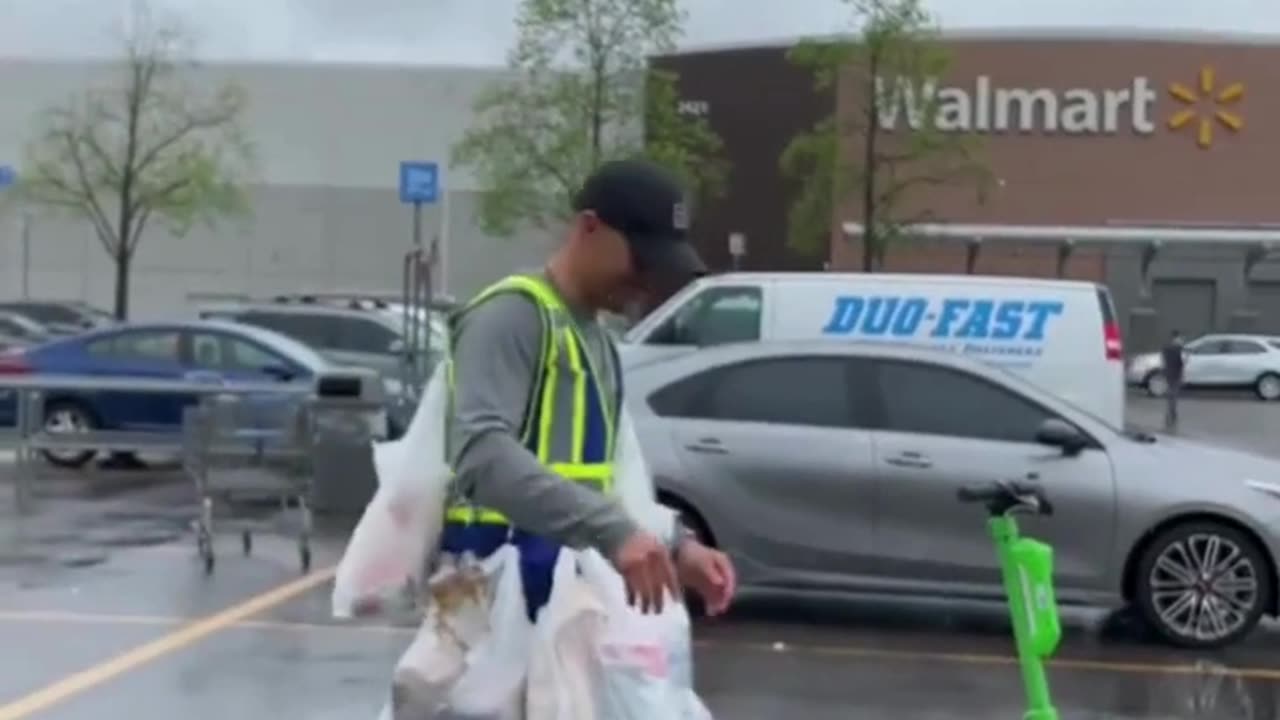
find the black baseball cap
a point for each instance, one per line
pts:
(646, 203)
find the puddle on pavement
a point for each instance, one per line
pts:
(82, 561)
(22, 559)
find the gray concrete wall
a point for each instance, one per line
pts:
(327, 215)
(299, 238)
(1234, 307)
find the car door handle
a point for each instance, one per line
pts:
(204, 377)
(910, 460)
(707, 446)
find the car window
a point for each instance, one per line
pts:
(317, 331)
(1274, 343)
(1245, 347)
(216, 351)
(1207, 347)
(244, 355)
(932, 400)
(11, 328)
(366, 336)
(155, 345)
(715, 316)
(764, 391)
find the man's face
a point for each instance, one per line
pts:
(609, 275)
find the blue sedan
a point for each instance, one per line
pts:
(205, 351)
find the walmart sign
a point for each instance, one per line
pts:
(980, 326)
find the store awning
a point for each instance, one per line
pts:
(1082, 234)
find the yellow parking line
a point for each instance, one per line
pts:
(74, 618)
(185, 636)
(238, 618)
(1137, 668)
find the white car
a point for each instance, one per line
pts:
(1217, 361)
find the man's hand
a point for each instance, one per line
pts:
(708, 572)
(646, 566)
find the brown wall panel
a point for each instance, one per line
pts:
(757, 101)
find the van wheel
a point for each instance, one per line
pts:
(1267, 387)
(1156, 384)
(1203, 584)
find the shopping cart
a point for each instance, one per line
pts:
(247, 449)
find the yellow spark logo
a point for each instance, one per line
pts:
(1207, 107)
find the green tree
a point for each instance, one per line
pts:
(888, 141)
(580, 93)
(148, 150)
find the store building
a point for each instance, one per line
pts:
(1075, 129)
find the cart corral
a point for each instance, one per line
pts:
(239, 444)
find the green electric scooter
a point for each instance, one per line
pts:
(1027, 567)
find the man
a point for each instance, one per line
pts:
(537, 394)
(1173, 359)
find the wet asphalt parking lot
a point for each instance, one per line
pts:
(105, 613)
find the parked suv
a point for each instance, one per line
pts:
(363, 338)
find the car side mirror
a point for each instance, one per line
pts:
(1061, 434)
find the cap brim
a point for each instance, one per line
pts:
(668, 257)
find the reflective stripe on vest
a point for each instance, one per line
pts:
(569, 422)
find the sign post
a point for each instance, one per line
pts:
(737, 249)
(419, 185)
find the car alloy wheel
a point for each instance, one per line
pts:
(1268, 387)
(1156, 384)
(63, 419)
(1205, 588)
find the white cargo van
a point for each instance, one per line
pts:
(1061, 334)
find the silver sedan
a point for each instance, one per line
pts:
(1223, 361)
(835, 467)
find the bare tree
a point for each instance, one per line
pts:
(148, 150)
(891, 62)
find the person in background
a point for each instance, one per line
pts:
(1173, 357)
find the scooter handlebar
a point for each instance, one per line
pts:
(1007, 496)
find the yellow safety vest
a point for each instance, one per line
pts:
(569, 421)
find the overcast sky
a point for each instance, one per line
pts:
(470, 32)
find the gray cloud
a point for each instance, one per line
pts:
(478, 31)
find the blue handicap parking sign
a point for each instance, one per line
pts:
(419, 182)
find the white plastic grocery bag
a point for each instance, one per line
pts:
(493, 685)
(646, 660)
(437, 658)
(564, 668)
(470, 657)
(634, 482)
(387, 552)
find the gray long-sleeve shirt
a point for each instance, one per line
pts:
(495, 353)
